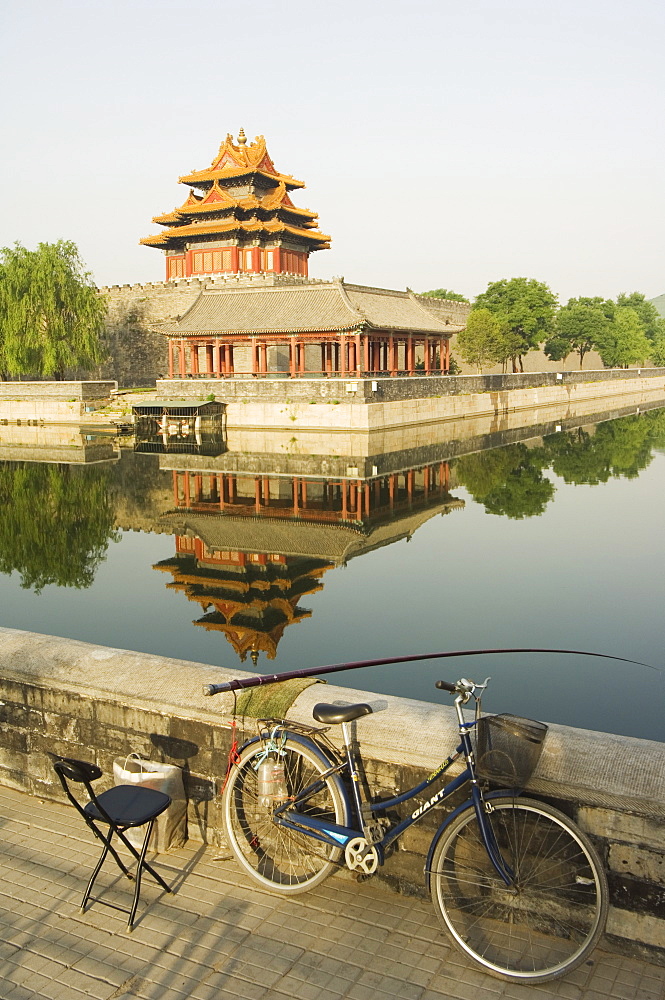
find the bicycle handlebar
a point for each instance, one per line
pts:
(445, 686)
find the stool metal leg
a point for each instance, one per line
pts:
(107, 847)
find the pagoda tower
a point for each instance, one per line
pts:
(238, 219)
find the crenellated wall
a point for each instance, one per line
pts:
(96, 703)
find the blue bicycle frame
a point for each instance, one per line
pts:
(286, 815)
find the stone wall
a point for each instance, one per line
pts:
(365, 404)
(53, 402)
(138, 352)
(96, 703)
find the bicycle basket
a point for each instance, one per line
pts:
(507, 749)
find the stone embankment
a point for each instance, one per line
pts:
(372, 404)
(96, 703)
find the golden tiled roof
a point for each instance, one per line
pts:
(236, 161)
(218, 199)
(240, 160)
(271, 227)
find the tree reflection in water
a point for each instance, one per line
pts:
(56, 522)
(510, 482)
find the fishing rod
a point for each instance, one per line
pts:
(333, 668)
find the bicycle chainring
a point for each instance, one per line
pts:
(361, 856)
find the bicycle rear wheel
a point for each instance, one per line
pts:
(280, 859)
(553, 916)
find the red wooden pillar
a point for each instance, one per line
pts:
(341, 367)
(257, 495)
(345, 500)
(366, 352)
(235, 260)
(392, 357)
(176, 491)
(301, 358)
(212, 360)
(391, 490)
(323, 357)
(221, 490)
(194, 358)
(231, 362)
(293, 357)
(359, 499)
(185, 484)
(265, 489)
(198, 488)
(171, 365)
(181, 356)
(263, 350)
(446, 361)
(296, 496)
(357, 352)
(335, 348)
(254, 357)
(367, 499)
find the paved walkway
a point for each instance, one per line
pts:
(219, 937)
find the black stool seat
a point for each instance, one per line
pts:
(334, 714)
(120, 809)
(128, 805)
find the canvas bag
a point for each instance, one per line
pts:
(170, 828)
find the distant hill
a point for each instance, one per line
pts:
(659, 303)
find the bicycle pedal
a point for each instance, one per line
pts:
(361, 857)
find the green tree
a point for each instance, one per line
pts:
(527, 306)
(580, 325)
(486, 340)
(646, 310)
(51, 315)
(56, 523)
(623, 342)
(445, 293)
(657, 353)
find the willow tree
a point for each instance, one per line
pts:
(51, 314)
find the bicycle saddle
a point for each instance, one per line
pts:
(332, 714)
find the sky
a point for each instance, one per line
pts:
(442, 144)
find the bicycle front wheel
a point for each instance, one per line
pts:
(279, 859)
(544, 924)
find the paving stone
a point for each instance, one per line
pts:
(218, 937)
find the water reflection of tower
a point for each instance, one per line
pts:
(249, 546)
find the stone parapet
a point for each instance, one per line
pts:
(83, 391)
(375, 404)
(93, 702)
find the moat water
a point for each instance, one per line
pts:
(552, 539)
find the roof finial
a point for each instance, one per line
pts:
(254, 653)
(242, 138)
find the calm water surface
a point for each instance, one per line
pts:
(554, 540)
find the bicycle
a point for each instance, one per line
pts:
(517, 886)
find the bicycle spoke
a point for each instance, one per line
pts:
(545, 921)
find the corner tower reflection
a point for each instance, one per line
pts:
(249, 547)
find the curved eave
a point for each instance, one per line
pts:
(186, 216)
(319, 240)
(203, 177)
